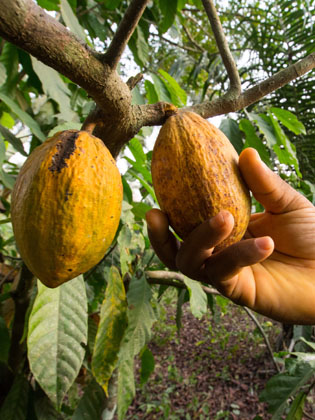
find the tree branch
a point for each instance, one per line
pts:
(125, 30)
(227, 58)
(168, 277)
(225, 104)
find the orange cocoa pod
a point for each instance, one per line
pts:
(66, 206)
(195, 175)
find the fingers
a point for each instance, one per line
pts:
(199, 245)
(224, 265)
(164, 243)
(268, 188)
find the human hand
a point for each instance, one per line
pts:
(272, 270)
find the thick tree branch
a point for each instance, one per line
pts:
(124, 32)
(227, 58)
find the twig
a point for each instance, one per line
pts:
(191, 39)
(124, 31)
(134, 80)
(227, 58)
(253, 318)
(168, 277)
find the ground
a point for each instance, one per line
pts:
(214, 370)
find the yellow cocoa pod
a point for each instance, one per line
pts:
(66, 206)
(195, 175)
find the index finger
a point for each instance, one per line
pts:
(162, 240)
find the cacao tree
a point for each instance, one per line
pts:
(125, 67)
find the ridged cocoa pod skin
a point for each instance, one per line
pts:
(66, 206)
(195, 175)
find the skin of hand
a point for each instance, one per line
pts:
(272, 270)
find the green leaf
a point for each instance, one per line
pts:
(283, 385)
(144, 183)
(160, 88)
(140, 209)
(49, 4)
(113, 322)
(289, 120)
(57, 335)
(65, 126)
(128, 243)
(3, 74)
(296, 409)
(14, 141)
(287, 155)
(44, 408)
(197, 298)
(178, 95)
(168, 9)
(71, 20)
(2, 151)
(126, 389)
(23, 116)
(141, 168)
(91, 405)
(265, 127)
(136, 149)
(6, 120)
(141, 317)
(7, 179)
(231, 129)
(147, 365)
(15, 404)
(4, 340)
(151, 92)
(54, 88)
(252, 140)
(139, 46)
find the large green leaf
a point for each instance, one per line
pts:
(91, 405)
(71, 20)
(57, 335)
(54, 88)
(14, 141)
(126, 389)
(23, 116)
(14, 406)
(296, 409)
(284, 385)
(141, 317)
(289, 120)
(252, 140)
(178, 95)
(231, 129)
(112, 325)
(168, 9)
(197, 298)
(147, 365)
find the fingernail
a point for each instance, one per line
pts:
(263, 243)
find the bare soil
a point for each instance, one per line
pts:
(213, 370)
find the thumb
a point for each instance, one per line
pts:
(267, 187)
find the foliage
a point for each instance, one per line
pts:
(82, 339)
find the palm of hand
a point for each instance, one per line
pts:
(283, 285)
